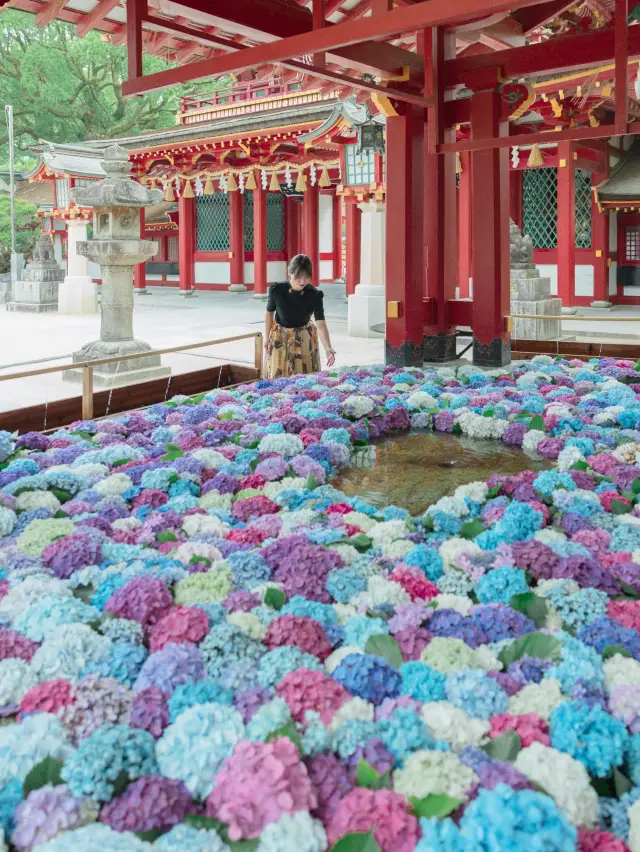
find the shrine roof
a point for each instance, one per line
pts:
(68, 160)
(623, 184)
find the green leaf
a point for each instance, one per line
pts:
(46, 772)
(206, 823)
(457, 429)
(360, 443)
(612, 650)
(488, 413)
(538, 645)
(471, 529)
(120, 784)
(171, 404)
(621, 783)
(290, 731)
(120, 462)
(385, 647)
(604, 786)
(434, 806)
(629, 591)
(537, 423)
(275, 598)
(243, 845)
(623, 439)
(629, 495)
(149, 836)
(361, 542)
(84, 593)
(254, 446)
(357, 841)
(635, 486)
(166, 536)
(505, 747)
(60, 514)
(579, 465)
(493, 492)
(620, 508)
(85, 435)
(311, 482)
(368, 776)
(226, 416)
(531, 605)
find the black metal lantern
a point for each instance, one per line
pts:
(371, 138)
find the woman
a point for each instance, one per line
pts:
(291, 342)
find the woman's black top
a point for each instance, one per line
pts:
(292, 309)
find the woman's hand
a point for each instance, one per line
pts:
(331, 357)
(266, 346)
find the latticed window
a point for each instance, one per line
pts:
(172, 248)
(62, 193)
(275, 221)
(583, 209)
(360, 166)
(248, 220)
(632, 244)
(212, 222)
(540, 207)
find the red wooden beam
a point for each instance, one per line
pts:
(96, 15)
(70, 16)
(135, 10)
(621, 61)
(398, 20)
(317, 7)
(49, 12)
(536, 16)
(537, 138)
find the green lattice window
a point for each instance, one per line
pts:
(62, 193)
(212, 222)
(275, 221)
(248, 220)
(583, 209)
(360, 166)
(540, 207)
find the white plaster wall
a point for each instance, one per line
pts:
(173, 277)
(325, 225)
(550, 270)
(249, 277)
(93, 269)
(326, 269)
(613, 230)
(277, 270)
(153, 277)
(212, 272)
(613, 272)
(631, 291)
(585, 275)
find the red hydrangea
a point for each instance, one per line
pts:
(626, 613)
(415, 584)
(152, 802)
(384, 811)
(530, 727)
(13, 644)
(48, 697)
(249, 535)
(254, 480)
(181, 624)
(257, 785)
(144, 600)
(297, 631)
(304, 690)
(243, 510)
(607, 498)
(599, 841)
(339, 509)
(153, 497)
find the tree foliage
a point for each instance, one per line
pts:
(25, 235)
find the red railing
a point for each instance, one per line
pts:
(238, 93)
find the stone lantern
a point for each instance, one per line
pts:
(117, 247)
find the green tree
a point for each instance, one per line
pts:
(26, 237)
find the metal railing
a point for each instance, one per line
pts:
(88, 366)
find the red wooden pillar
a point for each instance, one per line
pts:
(259, 240)
(465, 225)
(139, 270)
(353, 236)
(405, 238)
(337, 236)
(186, 245)
(566, 225)
(515, 196)
(236, 240)
(600, 244)
(310, 238)
(490, 205)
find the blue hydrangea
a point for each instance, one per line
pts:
(160, 478)
(580, 664)
(276, 664)
(185, 837)
(427, 559)
(403, 733)
(500, 585)
(421, 682)
(324, 613)
(360, 627)
(44, 616)
(316, 738)
(578, 608)
(226, 644)
(268, 718)
(590, 735)
(123, 663)
(249, 569)
(632, 759)
(351, 734)
(336, 436)
(603, 632)
(439, 835)
(479, 695)
(122, 630)
(519, 522)
(94, 768)
(626, 537)
(614, 813)
(187, 695)
(547, 481)
(343, 583)
(368, 677)
(10, 798)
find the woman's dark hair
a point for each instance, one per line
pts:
(301, 265)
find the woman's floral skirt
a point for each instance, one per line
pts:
(292, 351)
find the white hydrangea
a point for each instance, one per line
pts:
(95, 836)
(559, 409)
(563, 498)
(360, 520)
(284, 445)
(66, 653)
(31, 590)
(565, 779)
(450, 505)
(26, 743)
(626, 452)
(249, 624)
(475, 491)
(37, 500)
(91, 469)
(451, 549)
(550, 536)
(300, 519)
(336, 657)
(486, 658)
(344, 612)
(126, 524)
(355, 708)
(449, 723)
(544, 587)
(215, 500)
(346, 551)
(568, 457)
(357, 406)
(211, 459)
(458, 602)
(634, 827)
(531, 440)
(439, 773)
(422, 401)
(621, 671)
(8, 520)
(196, 524)
(477, 426)
(541, 698)
(447, 655)
(380, 591)
(396, 549)
(387, 531)
(272, 489)
(114, 485)
(16, 679)
(185, 552)
(298, 832)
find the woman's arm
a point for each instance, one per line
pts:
(268, 322)
(323, 333)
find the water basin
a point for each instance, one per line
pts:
(415, 470)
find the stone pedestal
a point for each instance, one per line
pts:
(37, 292)
(77, 293)
(236, 288)
(5, 288)
(366, 307)
(530, 293)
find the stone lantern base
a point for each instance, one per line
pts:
(118, 373)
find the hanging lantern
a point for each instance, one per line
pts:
(169, 194)
(251, 181)
(458, 163)
(232, 186)
(274, 186)
(535, 157)
(371, 138)
(209, 188)
(324, 178)
(301, 185)
(188, 189)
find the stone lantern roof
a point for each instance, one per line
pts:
(117, 189)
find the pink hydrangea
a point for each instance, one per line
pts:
(181, 624)
(153, 497)
(96, 701)
(412, 642)
(257, 785)
(144, 600)
(152, 802)
(15, 645)
(243, 510)
(607, 498)
(48, 697)
(331, 782)
(304, 690)
(599, 841)
(626, 613)
(339, 509)
(415, 584)
(297, 631)
(254, 480)
(394, 827)
(529, 727)
(390, 705)
(150, 711)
